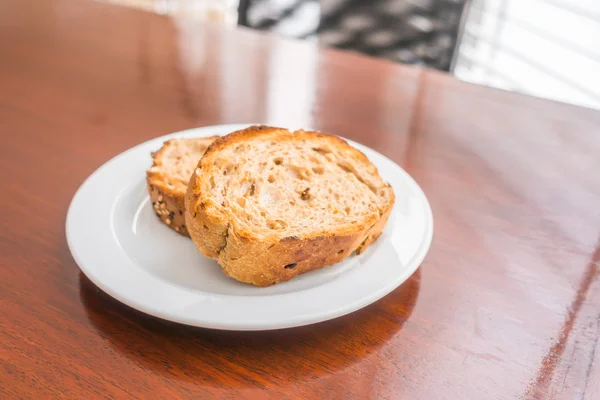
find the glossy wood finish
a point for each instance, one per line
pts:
(506, 305)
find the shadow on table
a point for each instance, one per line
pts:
(246, 359)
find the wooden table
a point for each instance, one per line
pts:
(506, 305)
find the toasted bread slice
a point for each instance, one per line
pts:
(269, 204)
(167, 179)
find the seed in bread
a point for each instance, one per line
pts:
(269, 204)
(167, 179)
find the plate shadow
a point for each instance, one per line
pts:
(248, 359)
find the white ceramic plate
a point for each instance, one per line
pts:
(120, 245)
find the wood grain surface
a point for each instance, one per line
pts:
(505, 306)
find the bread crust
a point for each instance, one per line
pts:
(168, 201)
(169, 206)
(264, 261)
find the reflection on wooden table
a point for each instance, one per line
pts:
(216, 11)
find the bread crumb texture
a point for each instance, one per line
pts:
(269, 204)
(167, 179)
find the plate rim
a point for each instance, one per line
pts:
(415, 262)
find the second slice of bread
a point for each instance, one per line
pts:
(167, 179)
(269, 204)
